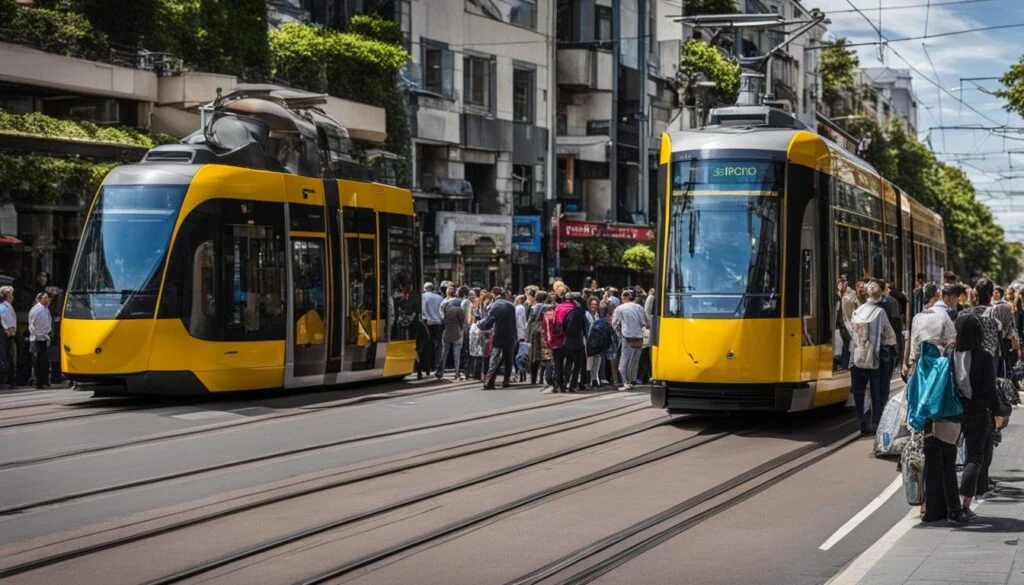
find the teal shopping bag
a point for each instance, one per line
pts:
(931, 390)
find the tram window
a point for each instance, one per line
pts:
(856, 255)
(254, 279)
(404, 296)
(362, 290)
(877, 256)
(308, 288)
(843, 252)
(226, 277)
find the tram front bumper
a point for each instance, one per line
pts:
(685, 397)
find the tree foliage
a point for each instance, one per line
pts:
(697, 7)
(49, 180)
(1013, 81)
(837, 66)
(639, 257)
(219, 36)
(362, 66)
(54, 30)
(696, 56)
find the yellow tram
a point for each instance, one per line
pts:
(242, 259)
(761, 219)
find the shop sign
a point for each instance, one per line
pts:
(526, 233)
(585, 230)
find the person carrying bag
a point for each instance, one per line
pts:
(872, 337)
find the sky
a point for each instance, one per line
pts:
(997, 174)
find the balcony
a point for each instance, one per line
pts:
(27, 66)
(584, 67)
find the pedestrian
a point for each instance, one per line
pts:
(870, 331)
(574, 325)
(1009, 342)
(431, 315)
(598, 341)
(454, 324)
(931, 325)
(501, 320)
(951, 294)
(8, 341)
(39, 329)
(556, 339)
(521, 317)
(975, 377)
(629, 320)
(917, 296)
(533, 334)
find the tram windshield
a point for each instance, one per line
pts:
(723, 239)
(122, 253)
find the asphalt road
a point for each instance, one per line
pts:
(771, 538)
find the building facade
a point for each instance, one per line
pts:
(479, 114)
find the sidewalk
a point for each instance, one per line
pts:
(989, 550)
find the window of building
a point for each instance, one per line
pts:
(518, 12)
(603, 24)
(522, 95)
(598, 127)
(522, 185)
(438, 68)
(476, 73)
(565, 21)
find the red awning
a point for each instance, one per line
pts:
(9, 240)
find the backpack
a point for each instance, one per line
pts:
(865, 349)
(554, 336)
(599, 338)
(1007, 395)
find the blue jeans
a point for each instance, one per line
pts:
(454, 349)
(861, 379)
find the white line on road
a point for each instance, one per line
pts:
(860, 566)
(861, 516)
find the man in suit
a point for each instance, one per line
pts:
(501, 317)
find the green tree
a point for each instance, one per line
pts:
(1013, 81)
(837, 66)
(639, 257)
(219, 36)
(696, 7)
(126, 23)
(879, 152)
(697, 57)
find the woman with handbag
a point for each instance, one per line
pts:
(873, 353)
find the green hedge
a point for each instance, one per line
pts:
(44, 180)
(37, 124)
(362, 66)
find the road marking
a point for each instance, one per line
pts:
(861, 516)
(207, 414)
(860, 566)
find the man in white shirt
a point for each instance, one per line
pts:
(520, 304)
(8, 327)
(630, 320)
(40, 326)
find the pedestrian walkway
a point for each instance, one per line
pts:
(989, 550)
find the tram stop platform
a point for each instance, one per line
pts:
(988, 550)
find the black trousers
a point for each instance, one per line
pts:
(977, 435)
(435, 339)
(41, 362)
(578, 358)
(941, 495)
(565, 367)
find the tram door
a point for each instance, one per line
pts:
(309, 337)
(360, 263)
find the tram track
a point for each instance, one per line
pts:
(373, 471)
(142, 404)
(187, 432)
(705, 505)
(266, 457)
(607, 554)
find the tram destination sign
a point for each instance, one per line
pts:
(737, 172)
(586, 230)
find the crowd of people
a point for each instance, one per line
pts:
(978, 328)
(33, 357)
(567, 340)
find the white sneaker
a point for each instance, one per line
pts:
(623, 388)
(548, 390)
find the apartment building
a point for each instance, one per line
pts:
(479, 116)
(893, 91)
